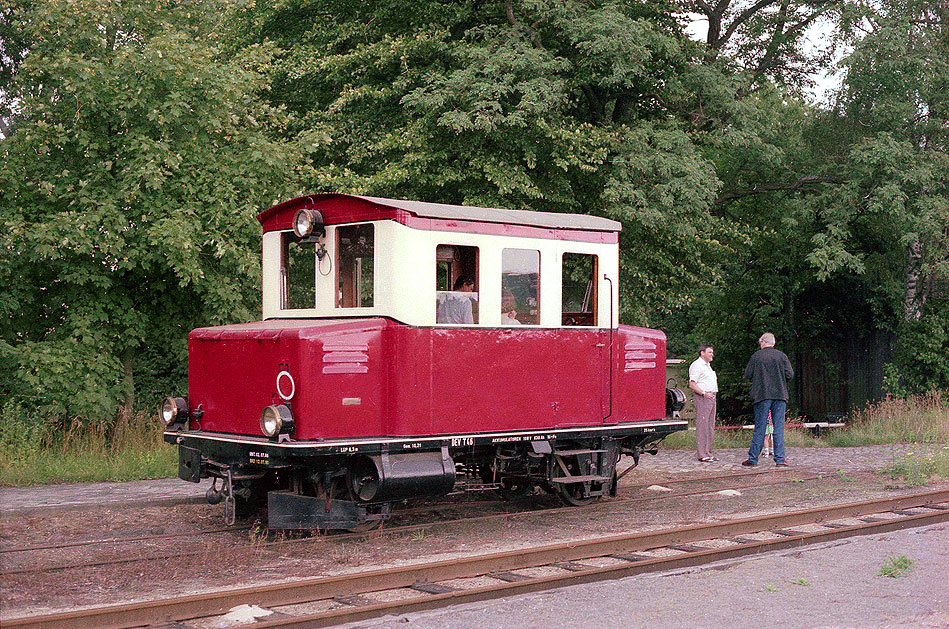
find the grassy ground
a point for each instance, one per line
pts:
(923, 465)
(923, 421)
(84, 455)
(27, 456)
(92, 465)
(793, 438)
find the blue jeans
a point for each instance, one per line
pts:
(777, 408)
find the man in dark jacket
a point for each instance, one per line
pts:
(769, 371)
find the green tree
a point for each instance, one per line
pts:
(138, 158)
(841, 214)
(546, 105)
(701, 150)
(888, 223)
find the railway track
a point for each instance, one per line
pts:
(732, 480)
(334, 600)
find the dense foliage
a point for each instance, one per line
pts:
(137, 160)
(142, 138)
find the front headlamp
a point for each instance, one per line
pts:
(276, 420)
(173, 410)
(307, 221)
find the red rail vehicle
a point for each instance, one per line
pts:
(407, 348)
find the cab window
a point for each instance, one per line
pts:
(456, 284)
(297, 273)
(579, 273)
(520, 287)
(354, 266)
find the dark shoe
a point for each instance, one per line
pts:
(780, 464)
(750, 464)
(706, 459)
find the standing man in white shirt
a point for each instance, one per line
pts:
(704, 383)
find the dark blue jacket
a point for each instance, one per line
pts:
(769, 370)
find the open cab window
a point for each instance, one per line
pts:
(355, 257)
(297, 273)
(456, 284)
(579, 300)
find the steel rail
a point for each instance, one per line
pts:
(592, 574)
(397, 530)
(209, 604)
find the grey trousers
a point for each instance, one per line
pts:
(705, 410)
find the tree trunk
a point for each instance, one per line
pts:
(913, 296)
(124, 418)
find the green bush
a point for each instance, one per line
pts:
(919, 362)
(22, 433)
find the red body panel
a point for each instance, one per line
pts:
(377, 377)
(232, 372)
(639, 374)
(470, 380)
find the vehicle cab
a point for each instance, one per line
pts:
(401, 259)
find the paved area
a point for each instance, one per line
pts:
(171, 490)
(77, 495)
(835, 584)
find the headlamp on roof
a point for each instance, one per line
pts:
(307, 222)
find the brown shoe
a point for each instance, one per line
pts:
(750, 464)
(781, 465)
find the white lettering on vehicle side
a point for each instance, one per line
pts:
(258, 458)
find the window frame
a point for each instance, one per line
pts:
(537, 318)
(286, 239)
(338, 278)
(475, 295)
(595, 292)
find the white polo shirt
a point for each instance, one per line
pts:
(701, 373)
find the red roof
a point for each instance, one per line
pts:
(342, 208)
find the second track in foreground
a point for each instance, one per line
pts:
(335, 600)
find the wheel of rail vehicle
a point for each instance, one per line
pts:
(514, 488)
(509, 487)
(250, 496)
(342, 489)
(572, 494)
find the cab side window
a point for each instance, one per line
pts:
(297, 273)
(579, 273)
(520, 287)
(456, 284)
(355, 255)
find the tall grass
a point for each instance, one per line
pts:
(921, 419)
(34, 452)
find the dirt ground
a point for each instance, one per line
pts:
(246, 555)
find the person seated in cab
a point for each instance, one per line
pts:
(508, 313)
(457, 308)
